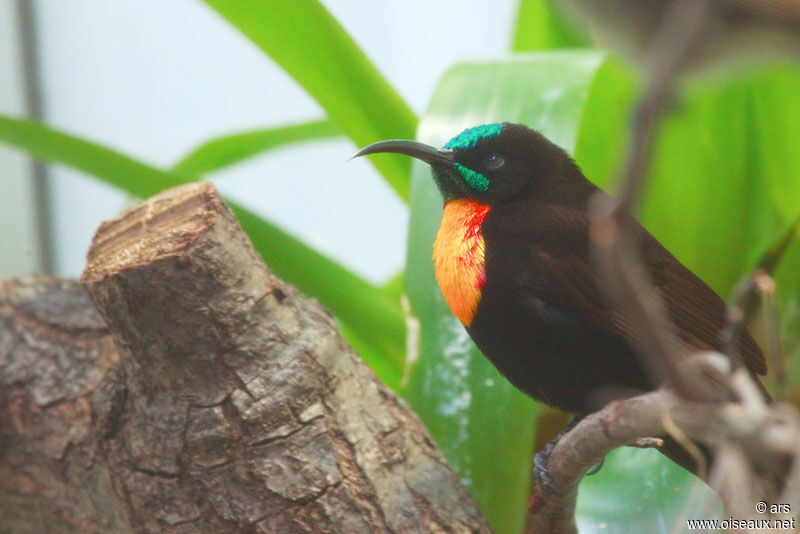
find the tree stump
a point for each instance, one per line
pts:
(202, 395)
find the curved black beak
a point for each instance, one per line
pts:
(421, 151)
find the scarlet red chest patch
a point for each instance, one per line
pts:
(459, 256)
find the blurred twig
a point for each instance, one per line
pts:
(757, 290)
(613, 243)
(753, 441)
(745, 299)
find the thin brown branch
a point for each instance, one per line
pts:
(763, 439)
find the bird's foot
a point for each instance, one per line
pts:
(542, 472)
(541, 459)
(540, 465)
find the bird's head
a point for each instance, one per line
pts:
(490, 163)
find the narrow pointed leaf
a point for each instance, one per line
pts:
(724, 181)
(311, 46)
(539, 27)
(368, 311)
(231, 149)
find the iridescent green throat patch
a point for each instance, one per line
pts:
(474, 179)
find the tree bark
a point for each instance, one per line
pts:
(203, 395)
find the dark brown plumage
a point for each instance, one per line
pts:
(543, 319)
(513, 260)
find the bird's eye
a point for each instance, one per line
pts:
(495, 161)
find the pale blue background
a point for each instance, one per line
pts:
(154, 78)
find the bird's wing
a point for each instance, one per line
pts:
(695, 309)
(566, 279)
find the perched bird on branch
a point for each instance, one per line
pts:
(512, 258)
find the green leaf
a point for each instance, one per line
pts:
(396, 285)
(776, 119)
(368, 311)
(724, 181)
(538, 27)
(640, 491)
(483, 425)
(724, 187)
(311, 46)
(116, 169)
(603, 135)
(230, 149)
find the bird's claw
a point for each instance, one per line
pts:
(541, 460)
(541, 470)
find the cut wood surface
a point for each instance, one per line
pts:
(200, 394)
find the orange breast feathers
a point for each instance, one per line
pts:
(459, 257)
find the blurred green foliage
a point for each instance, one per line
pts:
(725, 185)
